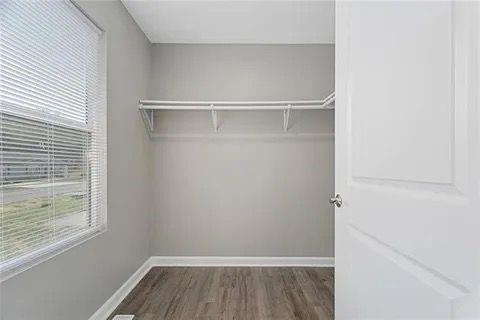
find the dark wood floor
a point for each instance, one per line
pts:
(232, 293)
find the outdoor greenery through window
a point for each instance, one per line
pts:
(52, 131)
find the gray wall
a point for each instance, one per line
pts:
(249, 190)
(73, 285)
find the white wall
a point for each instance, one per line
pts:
(244, 192)
(73, 285)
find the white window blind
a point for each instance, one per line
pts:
(52, 131)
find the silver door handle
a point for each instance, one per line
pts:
(336, 201)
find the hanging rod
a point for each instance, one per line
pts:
(147, 107)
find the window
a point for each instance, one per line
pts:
(52, 131)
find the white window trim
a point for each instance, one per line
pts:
(25, 262)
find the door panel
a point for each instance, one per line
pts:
(415, 53)
(407, 159)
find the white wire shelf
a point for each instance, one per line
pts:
(148, 107)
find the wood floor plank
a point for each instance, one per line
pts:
(317, 291)
(240, 293)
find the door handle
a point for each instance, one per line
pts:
(337, 200)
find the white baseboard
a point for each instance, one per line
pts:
(166, 261)
(108, 307)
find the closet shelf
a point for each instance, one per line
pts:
(148, 107)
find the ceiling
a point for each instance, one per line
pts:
(263, 22)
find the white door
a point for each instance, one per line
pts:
(407, 160)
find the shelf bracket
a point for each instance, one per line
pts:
(147, 116)
(214, 118)
(286, 117)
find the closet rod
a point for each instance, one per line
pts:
(243, 107)
(228, 103)
(238, 105)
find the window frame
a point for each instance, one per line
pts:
(15, 266)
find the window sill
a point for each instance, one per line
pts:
(25, 262)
